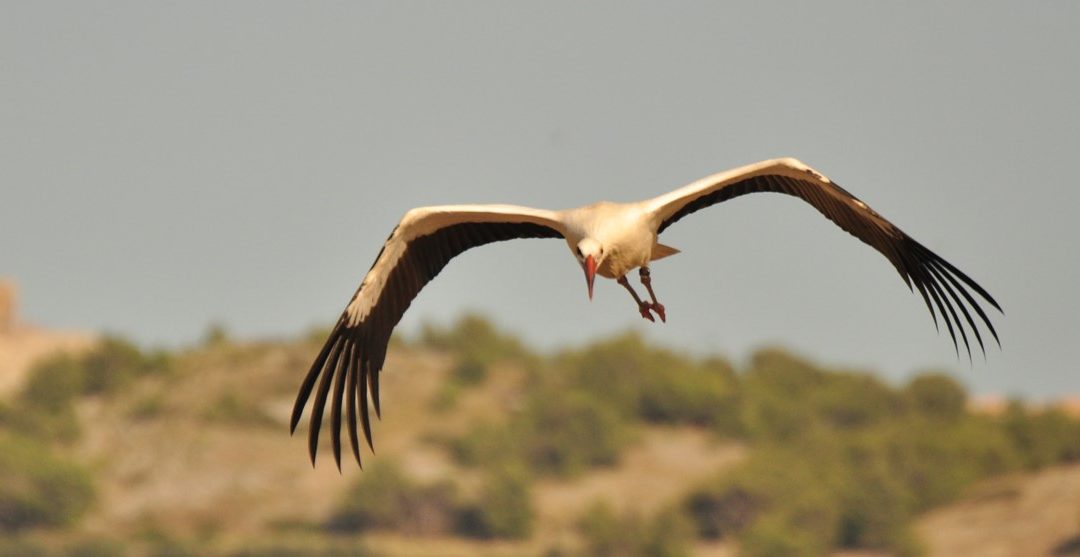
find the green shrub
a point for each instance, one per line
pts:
(1042, 437)
(489, 444)
(831, 487)
(774, 535)
(615, 370)
(39, 489)
(53, 384)
(775, 479)
(477, 344)
(556, 434)
(653, 384)
(115, 363)
(384, 498)
(690, 395)
(95, 547)
(607, 534)
(472, 334)
(726, 414)
(504, 508)
(148, 407)
(45, 406)
(20, 547)
(669, 534)
(302, 550)
(778, 396)
(788, 374)
(564, 434)
(470, 370)
(852, 401)
(61, 426)
(56, 382)
(936, 462)
(232, 408)
(721, 510)
(937, 396)
(160, 543)
(785, 398)
(807, 497)
(447, 397)
(217, 335)
(875, 504)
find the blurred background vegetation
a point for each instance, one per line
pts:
(614, 448)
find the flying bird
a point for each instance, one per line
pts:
(606, 239)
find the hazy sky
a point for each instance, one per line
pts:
(165, 166)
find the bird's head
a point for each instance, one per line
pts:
(590, 253)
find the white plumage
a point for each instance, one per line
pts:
(607, 239)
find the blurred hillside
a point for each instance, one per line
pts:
(22, 344)
(487, 448)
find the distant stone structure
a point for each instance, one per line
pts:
(8, 295)
(21, 344)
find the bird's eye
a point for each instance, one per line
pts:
(579, 254)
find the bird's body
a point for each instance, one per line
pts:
(607, 239)
(626, 231)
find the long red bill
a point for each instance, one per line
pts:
(590, 273)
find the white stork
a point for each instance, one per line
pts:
(609, 239)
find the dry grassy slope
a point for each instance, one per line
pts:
(1024, 515)
(167, 460)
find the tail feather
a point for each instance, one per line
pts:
(661, 251)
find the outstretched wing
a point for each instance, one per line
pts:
(419, 247)
(939, 282)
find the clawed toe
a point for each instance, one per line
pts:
(646, 310)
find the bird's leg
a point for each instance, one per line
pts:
(643, 307)
(646, 279)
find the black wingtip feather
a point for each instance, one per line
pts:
(956, 298)
(941, 284)
(373, 380)
(970, 282)
(934, 293)
(953, 275)
(971, 301)
(335, 404)
(350, 408)
(920, 284)
(365, 418)
(930, 255)
(319, 404)
(955, 318)
(311, 377)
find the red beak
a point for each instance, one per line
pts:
(590, 273)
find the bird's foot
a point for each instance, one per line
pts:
(646, 310)
(659, 309)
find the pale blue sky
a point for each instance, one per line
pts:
(164, 166)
